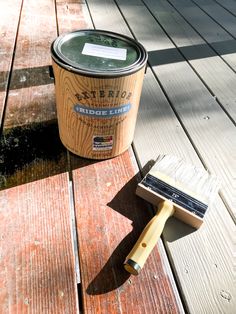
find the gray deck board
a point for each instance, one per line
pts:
(220, 40)
(197, 127)
(230, 5)
(225, 19)
(200, 55)
(199, 112)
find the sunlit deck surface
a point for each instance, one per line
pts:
(67, 223)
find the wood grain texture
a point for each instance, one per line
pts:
(37, 263)
(214, 72)
(109, 218)
(203, 261)
(30, 148)
(78, 131)
(27, 104)
(72, 16)
(9, 11)
(223, 43)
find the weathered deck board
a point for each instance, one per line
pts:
(109, 219)
(204, 60)
(31, 96)
(10, 11)
(37, 262)
(30, 148)
(72, 15)
(223, 43)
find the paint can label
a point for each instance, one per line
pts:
(102, 142)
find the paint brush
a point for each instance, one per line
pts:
(178, 189)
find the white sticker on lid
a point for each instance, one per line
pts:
(104, 52)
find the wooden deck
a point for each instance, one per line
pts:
(67, 223)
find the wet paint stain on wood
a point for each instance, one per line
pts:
(30, 153)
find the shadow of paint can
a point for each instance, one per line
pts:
(98, 82)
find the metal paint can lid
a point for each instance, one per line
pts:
(98, 53)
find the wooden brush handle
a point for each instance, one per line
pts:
(148, 238)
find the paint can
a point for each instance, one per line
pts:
(98, 82)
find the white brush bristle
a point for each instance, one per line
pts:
(183, 175)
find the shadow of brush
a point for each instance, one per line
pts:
(125, 202)
(137, 210)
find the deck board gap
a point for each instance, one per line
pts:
(211, 17)
(229, 10)
(80, 298)
(74, 232)
(179, 119)
(163, 247)
(126, 22)
(56, 15)
(73, 220)
(90, 14)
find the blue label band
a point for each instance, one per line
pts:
(102, 112)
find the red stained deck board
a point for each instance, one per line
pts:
(31, 96)
(37, 271)
(31, 149)
(110, 218)
(9, 17)
(72, 16)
